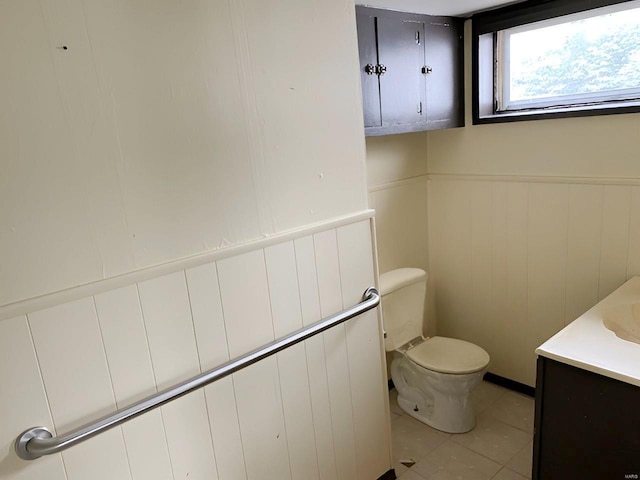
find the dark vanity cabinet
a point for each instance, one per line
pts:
(587, 426)
(411, 67)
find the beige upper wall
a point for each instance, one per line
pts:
(600, 146)
(391, 158)
(166, 129)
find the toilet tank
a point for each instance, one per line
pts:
(403, 291)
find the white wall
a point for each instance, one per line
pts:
(168, 129)
(531, 223)
(396, 175)
(318, 410)
(514, 261)
(397, 179)
(163, 162)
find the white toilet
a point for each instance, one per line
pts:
(434, 376)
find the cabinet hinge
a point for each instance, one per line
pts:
(420, 108)
(418, 37)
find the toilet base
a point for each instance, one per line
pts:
(465, 423)
(439, 400)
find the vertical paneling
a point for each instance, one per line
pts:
(583, 249)
(498, 284)
(542, 253)
(167, 316)
(47, 242)
(517, 358)
(633, 261)
(548, 219)
(329, 287)
(366, 365)
(499, 244)
(81, 203)
(292, 362)
(615, 238)
(247, 311)
(160, 107)
(92, 131)
(23, 404)
(481, 263)
(316, 360)
(315, 411)
(450, 235)
(208, 321)
(129, 361)
(69, 345)
(401, 224)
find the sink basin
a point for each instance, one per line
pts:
(624, 321)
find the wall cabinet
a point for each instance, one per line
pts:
(586, 425)
(411, 67)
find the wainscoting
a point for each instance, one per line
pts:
(515, 259)
(318, 410)
(401, 223)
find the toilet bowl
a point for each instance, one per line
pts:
(434, 376)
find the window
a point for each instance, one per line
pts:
(550, 59)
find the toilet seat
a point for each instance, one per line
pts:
(449, 355)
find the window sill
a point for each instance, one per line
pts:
(563, 112)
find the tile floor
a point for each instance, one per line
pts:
(498, 448)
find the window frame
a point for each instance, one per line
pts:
(485, 28)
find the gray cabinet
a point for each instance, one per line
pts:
(411, 67)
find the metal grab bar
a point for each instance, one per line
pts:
(38, 441)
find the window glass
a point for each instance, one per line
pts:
(580, 59)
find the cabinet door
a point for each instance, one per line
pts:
(444, 73)
(401, 51)
(367, 46)
(586, 425)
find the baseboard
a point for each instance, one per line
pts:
(510, 384)
(390, 475)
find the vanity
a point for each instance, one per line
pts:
(587, 417)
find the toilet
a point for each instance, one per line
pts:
(434, 376)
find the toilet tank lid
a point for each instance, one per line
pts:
(401, 277)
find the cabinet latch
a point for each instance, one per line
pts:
(371, 69)
(426, 70)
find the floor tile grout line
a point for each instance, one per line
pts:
(487, 457)
(510, 470)
(499, 464)
(453, 438)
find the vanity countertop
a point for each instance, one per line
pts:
(586, 343)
